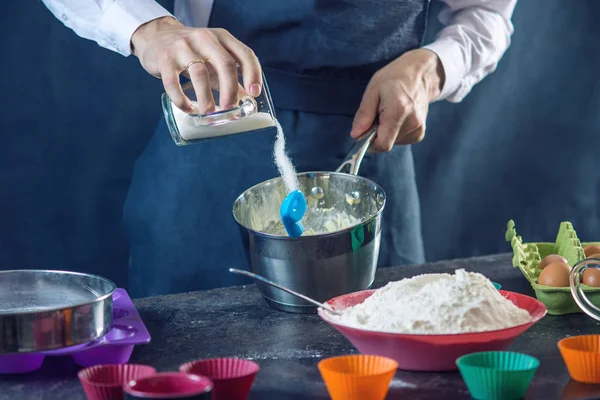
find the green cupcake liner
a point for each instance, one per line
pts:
(497, 375)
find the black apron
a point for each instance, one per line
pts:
(318, 56)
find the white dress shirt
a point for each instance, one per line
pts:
(476, 33)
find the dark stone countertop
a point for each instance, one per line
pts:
(237, 322)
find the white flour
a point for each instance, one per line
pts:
(435, 304)
(283, 162)
(317, 221)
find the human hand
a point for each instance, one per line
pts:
(166, 48)
(399, 95)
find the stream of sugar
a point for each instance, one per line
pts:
(283, 162)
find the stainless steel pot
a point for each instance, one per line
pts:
(46, 310)
(319, 266)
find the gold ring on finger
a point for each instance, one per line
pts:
(195, 62)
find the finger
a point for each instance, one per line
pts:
(193, 68)
(391, 119)
(170, 79)
(410, 125)
(249, 64)
(200, 78)
(413, 130)
(413, 137)
(366, 114)
(226, 68)
(242, 92)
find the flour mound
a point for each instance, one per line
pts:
(435, 304)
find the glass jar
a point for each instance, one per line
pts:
(250, 114)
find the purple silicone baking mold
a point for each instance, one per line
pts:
(115, 347)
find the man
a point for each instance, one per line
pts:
(334, 68)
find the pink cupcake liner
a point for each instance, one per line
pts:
(232, 377)
(105, 382)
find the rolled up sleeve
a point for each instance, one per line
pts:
(476, 36)
(109, 23)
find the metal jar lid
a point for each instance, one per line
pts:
(575, 280)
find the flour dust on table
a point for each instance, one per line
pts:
(465, 302)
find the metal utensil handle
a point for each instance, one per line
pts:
(577, 291)
(355, 157)
(268, 282)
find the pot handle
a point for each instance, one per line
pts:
(355, 157)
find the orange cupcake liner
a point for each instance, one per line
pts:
(581, 355)
(355, 377)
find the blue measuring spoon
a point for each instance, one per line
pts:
(292, 210)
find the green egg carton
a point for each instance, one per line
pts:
(527, 256)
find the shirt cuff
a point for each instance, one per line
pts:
(122, 18)
(451, 56)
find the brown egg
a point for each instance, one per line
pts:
(591, 249)
(591, 277)
(555, 275)
(549, 259)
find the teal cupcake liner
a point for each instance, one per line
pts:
(497, 375)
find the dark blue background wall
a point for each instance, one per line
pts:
(74, 117)
(524, 144)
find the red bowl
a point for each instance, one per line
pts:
(170, 385)
(430, 352)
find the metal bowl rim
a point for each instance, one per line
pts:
(320, 173)
(97, 299)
